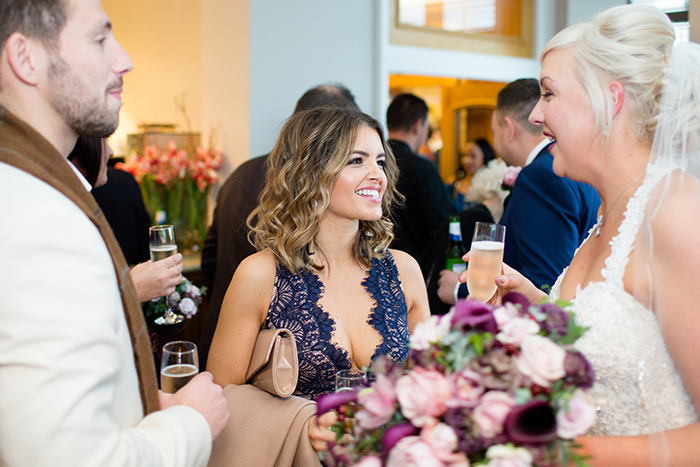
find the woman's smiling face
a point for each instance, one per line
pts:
(565, 111)
(360, 186)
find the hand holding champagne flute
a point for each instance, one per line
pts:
(485, 260)
(162, 245)
(180, 363)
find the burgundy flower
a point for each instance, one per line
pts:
(394, 434)
(474, 314)
(531, 423)
(517, 299)
(333, 400)
(557, 319)
(578, 370)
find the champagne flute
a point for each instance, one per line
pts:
(485, 260)
(180, 363)
(350, 380)
(162, 245)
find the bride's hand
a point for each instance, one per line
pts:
(509, 281)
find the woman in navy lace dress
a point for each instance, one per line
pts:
(323, 269)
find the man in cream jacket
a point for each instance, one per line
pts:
(76, 384)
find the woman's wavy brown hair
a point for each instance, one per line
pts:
(312, 149)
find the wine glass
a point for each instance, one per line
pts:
(350, 380)
(180, 363)
(162, 245)
(485, 260)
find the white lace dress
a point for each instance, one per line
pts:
(637, 389)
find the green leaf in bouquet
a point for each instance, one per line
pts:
(522, 395)
(573, 331)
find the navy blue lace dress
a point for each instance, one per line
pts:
(295, 307)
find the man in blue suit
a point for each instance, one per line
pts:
(546, 216)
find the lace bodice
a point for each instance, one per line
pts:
(637, 389)
(294, 306)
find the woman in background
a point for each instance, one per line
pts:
(151, 280)
(474, 155)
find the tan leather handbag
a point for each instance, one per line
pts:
(274, 366)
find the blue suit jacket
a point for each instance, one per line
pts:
(547, 217)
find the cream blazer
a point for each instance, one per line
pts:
(69, 393)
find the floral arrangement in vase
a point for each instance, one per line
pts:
(487, 386)
(176, 182)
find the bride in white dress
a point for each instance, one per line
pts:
(624, 108)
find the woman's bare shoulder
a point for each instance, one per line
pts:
(260, 266)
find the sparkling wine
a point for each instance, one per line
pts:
(162, 251)
(484, 266)
(173, 377)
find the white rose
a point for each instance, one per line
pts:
(188, 307)
(508, 456)
(579, 418)
(425, 334)
(517, 329)
(541, 359)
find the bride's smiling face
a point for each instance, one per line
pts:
(566, 113)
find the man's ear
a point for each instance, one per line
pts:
(417, 126)
(24, 57)
(617, 91)
(511, 129)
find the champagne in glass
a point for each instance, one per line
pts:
(162, 245)
(180, 363)
(485, 260)
(162, 242)
(350, 380)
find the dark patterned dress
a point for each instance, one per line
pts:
(295, 307)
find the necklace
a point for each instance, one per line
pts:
(602, 218)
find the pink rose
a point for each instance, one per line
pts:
(517, 329)
(508, 456)
(430, 331)
(412, 451)
(541, 359)
(510, 175)
(422, 395)
(580, 417)
(379, 404)
(505, 313)
(441, 438)
(468, 386)
(369, 461)
(491, 412)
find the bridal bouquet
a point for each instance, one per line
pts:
(492, 386)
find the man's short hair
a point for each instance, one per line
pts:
(327, 94)
(404, 111)
(517, 99)
(38, 19)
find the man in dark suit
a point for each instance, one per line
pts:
(547, 217)
(427, 205)
(226, 243)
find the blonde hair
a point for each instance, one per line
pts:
(312, 149)
(630, 44)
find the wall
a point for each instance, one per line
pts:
(579, 11)
(295, 45)
(164, 40)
